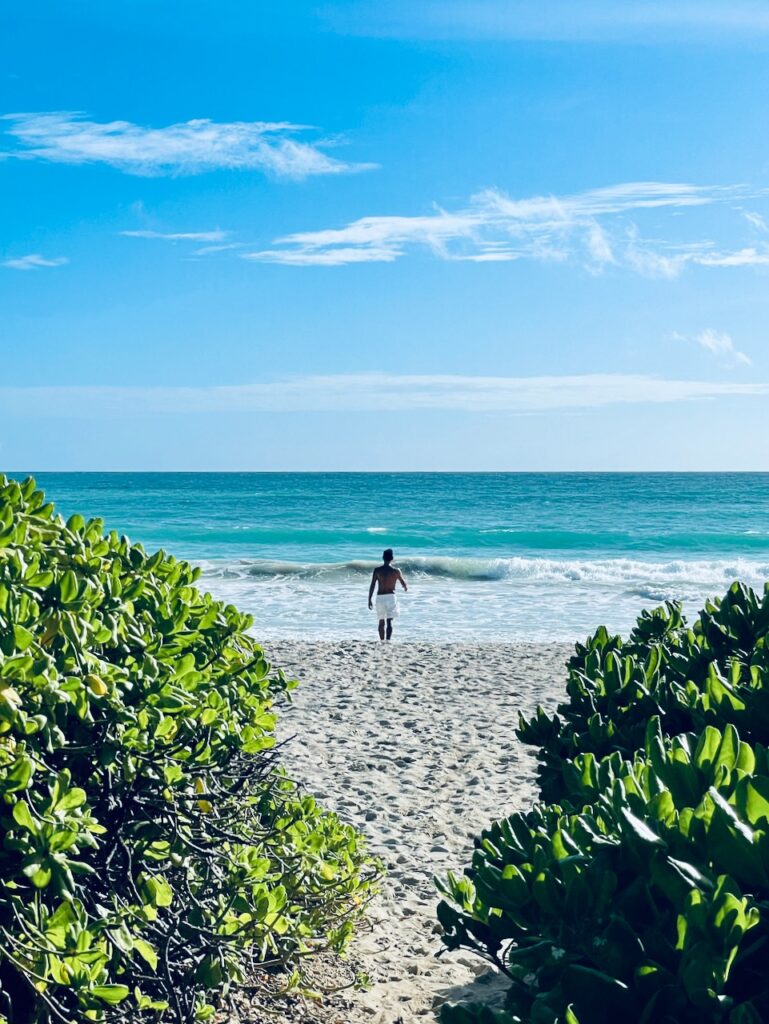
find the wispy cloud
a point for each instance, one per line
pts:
(558, 20)
(34, 261)
(215, 241)
(179, 236)
(374, 392)
(718, 344)
(187, 148)
(208, 250)
(495, 227)
(756, 220)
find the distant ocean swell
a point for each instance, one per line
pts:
(242, 535)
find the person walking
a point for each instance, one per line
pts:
(385, 578)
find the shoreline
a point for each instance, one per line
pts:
(413, 743)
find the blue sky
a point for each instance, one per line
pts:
(391, 235)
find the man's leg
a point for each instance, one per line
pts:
(389, 629)
(381, 629)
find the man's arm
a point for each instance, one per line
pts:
(371, 589)
(403, 582)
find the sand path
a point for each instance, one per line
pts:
(414, 744)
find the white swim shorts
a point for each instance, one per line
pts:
(386, 606)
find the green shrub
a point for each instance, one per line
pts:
(712, 673)
(153, 851)
(640, 890)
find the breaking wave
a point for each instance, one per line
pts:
(643, 576)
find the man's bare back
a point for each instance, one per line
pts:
(387, 576)
(384, 580)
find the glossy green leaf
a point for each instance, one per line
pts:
(134, 808)
(112, 994)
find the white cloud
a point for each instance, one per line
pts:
(496, 227)
(560, 20)
(373, 392)
(215, 241)
(720, 344)
(756, 220)
(334, 256)
(34, 261)
(187, 148)
(207, 250)
(662, 259)
(741, 258)
(179, 236)
(598, 245)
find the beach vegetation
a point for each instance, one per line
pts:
(153, 851)
(639, 888)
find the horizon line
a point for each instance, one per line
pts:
(386, 472)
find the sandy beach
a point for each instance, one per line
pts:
(413, 743)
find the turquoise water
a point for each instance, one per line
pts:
(513, 556)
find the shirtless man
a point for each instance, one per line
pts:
(386, 576)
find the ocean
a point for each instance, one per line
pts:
(488, 556)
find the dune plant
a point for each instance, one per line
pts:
(713, 673)
(152, 850)
(639, 889)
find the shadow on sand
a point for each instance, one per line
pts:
(489, 987)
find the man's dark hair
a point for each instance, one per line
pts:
(387, 556)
